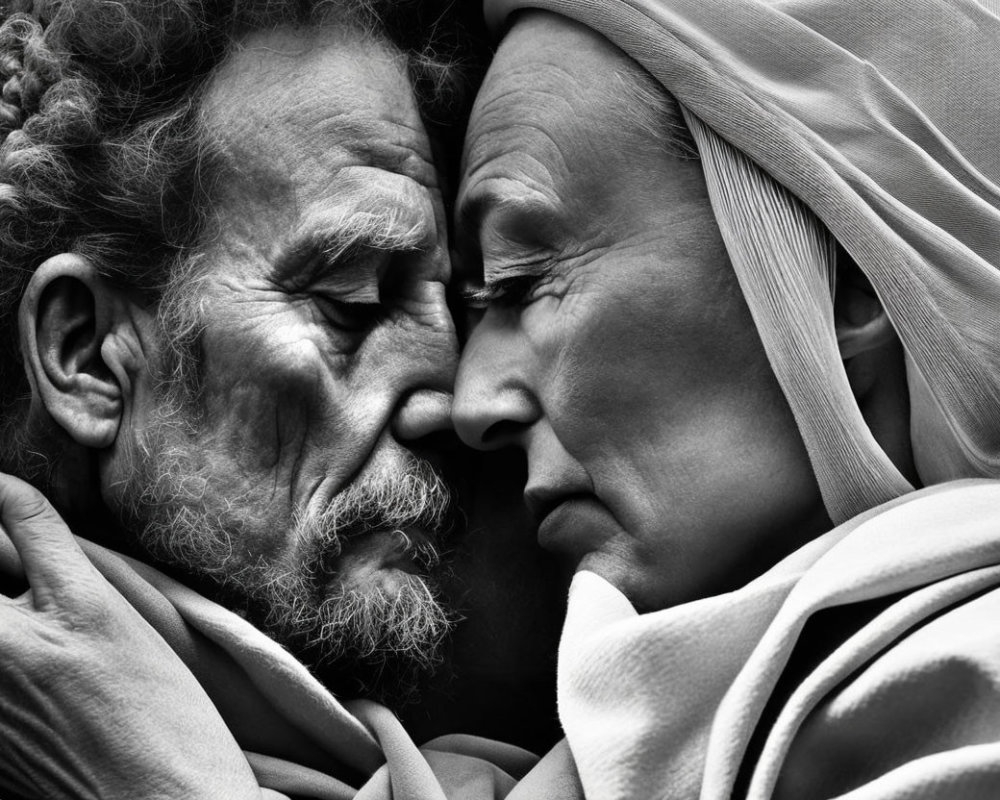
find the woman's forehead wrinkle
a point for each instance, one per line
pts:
(513, 151)
(534, 104)
(512, 174)
(548, 98)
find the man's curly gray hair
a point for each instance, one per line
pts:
(101, 154)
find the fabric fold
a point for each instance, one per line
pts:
(664, 704)
(299, 739)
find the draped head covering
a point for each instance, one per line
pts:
(880, 118)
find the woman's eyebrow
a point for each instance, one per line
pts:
(493, 202)
(497, 193)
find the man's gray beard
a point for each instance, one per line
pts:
(361, 641)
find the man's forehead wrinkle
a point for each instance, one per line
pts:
(417, 161)
(395, 146)
(289, 63)
(253, 146)
(352, 91)
(341, 196)
(317, 186)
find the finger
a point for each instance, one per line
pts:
(50, 556)
(12, 580)
(10, 561)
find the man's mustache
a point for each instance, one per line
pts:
(407, 498)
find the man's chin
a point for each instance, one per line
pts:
(382, 639)
(350, 592)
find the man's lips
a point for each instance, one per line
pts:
(409, 549)
(382, 558)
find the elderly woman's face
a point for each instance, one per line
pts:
(616, 348)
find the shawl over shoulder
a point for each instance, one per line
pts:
(298, 738)
(865, 665)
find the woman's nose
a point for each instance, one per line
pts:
(494, 402)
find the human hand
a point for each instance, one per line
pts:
(93, 702)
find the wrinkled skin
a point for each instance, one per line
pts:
(70, 717)
(616, 349)
(316, 367)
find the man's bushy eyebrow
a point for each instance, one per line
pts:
(334, 236)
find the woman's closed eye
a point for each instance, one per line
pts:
(507, 290)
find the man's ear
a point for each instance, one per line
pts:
(67, 316)
(859, 316)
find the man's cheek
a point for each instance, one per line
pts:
(260, 404)
(259, 425)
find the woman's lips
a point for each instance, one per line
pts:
(574, 524)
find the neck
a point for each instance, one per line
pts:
(74, 489)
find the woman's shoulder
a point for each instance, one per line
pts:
(923, 711)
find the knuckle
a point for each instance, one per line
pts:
(23, 502)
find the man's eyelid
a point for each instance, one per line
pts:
(352, 276)
(349, 317)
(368, 295)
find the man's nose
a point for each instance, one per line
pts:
(494, 404)
(422, 413)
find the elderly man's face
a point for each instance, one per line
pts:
(328, 354)
(616, 348)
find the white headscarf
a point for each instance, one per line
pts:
(881, 117)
